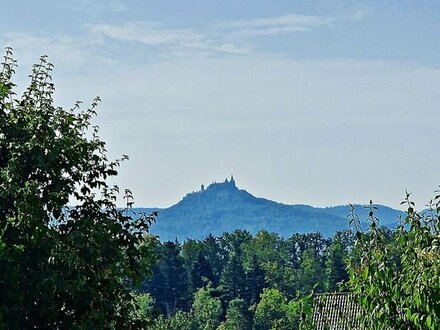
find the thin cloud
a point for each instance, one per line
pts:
(87, 6)
(221, 38)
(149, 33)
(154, 34)
(277, 25)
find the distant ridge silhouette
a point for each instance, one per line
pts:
(223, 207)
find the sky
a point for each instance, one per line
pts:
(304, 102)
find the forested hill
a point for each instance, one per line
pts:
(222, 207)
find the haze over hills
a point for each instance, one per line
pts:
(223, 207)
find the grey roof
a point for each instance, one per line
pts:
(335, 311)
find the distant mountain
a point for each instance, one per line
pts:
(387, 216)
(222, 207)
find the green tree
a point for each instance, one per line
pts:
(62, 267)
(311, 272)
(179, 321)
(238, 316)
(335, 266)
(398, 284)
(271, 252)
(193, 255)
(144, 308)
(215, 255)
(255, 281)
(271, 310)
(298, 243)
(207, 309)
(168, 283)
(274, 311)
(232, 281)
(200, 271)
(234, 242)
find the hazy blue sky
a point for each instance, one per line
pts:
(316, 102)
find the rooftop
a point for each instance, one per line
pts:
(335, 311)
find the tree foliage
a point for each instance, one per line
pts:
(397, 281)
(62, 267)
(247, 265)
(179, 321)
(275, 311)
(168, 283)
(232, 281)
(238, 316)
(207, 309)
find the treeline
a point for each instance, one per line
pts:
(243, 281)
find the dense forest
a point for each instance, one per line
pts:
(253, 280)
(95, 266)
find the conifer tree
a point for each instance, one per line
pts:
(255, 282)
(200, 272)
(232, 281)
(216, 257)
(168, 284)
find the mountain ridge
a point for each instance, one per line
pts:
(223, 207)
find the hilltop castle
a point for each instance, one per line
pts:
(230, 182)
